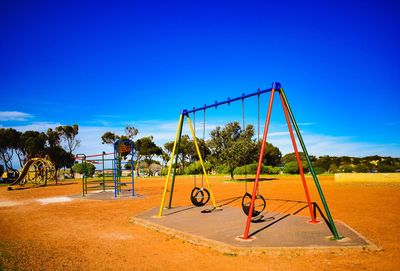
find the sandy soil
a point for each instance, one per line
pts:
(82, 234)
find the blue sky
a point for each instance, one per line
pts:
(106, 64)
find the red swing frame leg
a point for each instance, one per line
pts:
(303, 178)
(260, 159)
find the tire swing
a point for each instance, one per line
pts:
(200, 195)
(259, 202)
(259, 206)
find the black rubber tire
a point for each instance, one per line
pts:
(259, 205)
(199, 196)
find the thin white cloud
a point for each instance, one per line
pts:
(305, 123)
(278, 134)
(37, 126)
(14, 116)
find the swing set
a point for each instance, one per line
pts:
(253, 204)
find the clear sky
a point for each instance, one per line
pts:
(106, 64)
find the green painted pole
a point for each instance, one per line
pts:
(317, 184)
(176, 163)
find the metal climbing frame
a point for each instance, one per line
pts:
(276, 87)
(122, 150)
(105, 180)
(111, 175)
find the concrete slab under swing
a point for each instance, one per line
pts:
(219, 230)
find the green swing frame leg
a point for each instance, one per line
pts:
(314, 175)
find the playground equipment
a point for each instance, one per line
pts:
(37, 171)
(249, 205)
(111, 169)
(199, 195)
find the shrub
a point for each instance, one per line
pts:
(222, 169)
(320, 170)
(345, 169)
(292, 168)
(252, 169)
(360, 168)
(271, 170)
(247, 169)
(195, 168)
(386, 168)
(87, 169)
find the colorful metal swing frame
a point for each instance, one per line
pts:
(276, 87)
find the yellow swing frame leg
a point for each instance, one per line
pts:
(170, 166)
(202, 163)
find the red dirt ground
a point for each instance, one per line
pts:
(97, 234)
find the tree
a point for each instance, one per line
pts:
(131, 132)
(187, 152)
(60, 157)
(86, 169)
(272, 155)
(146, 148)
(109, 138)
(165, 159)
(68, 135)
(34, 144)
(232, 146)
(9, 139)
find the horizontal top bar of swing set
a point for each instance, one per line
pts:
(275, 85)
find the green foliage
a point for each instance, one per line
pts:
(271, 170)
(222, 169)
(291, 157)
(383, 167)
(60, 157)
(87, 169)
(272, 155)
(9, 142)
(34, 143)
(231, 146)
(246, 169)
(195, 168)
(38, 144)
(147, 149)
(128, 165)
(319, 170)
(187, 152)
(345, 169)
(251, 169)
(67, 134)
(110, 137)
(292, 167)
(361, 168)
